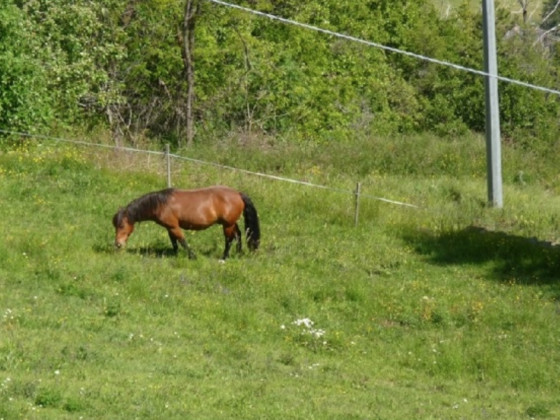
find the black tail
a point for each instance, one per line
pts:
(252, 229)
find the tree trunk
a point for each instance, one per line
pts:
(189, 20)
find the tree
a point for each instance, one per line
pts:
(25, 103)
(190, 14)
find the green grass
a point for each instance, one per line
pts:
(448, 311)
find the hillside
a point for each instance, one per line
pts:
(449, 310)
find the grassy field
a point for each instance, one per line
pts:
(446, 311)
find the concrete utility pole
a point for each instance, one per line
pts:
(493, 146)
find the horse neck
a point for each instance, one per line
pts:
(144, 208)
(140, 215)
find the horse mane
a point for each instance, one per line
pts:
(143, 207)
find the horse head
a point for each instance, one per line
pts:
(123, 227)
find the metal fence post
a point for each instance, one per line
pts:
(357, 203)
(168, 161)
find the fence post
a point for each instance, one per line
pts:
(168, 161)
(357, 203)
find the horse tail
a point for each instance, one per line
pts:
(252, 229)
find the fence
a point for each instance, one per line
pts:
(168, 156)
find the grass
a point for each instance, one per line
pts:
(448, 311)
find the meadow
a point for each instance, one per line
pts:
(449, 310)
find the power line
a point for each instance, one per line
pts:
(386, 48)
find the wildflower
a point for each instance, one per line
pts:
(305, 321)
(308, 324)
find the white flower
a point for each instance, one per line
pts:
(305, 321)
(308, 324)
(317, 333)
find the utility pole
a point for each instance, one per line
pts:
(493, 146)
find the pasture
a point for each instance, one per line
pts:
(447, 311)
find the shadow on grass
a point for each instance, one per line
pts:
(163, 251)
(523, 260)
(156, 251)
(146, 251)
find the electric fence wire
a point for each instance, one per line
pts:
(207, 163)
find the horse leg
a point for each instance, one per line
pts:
(238, 237)
(231, 233)
(177, 235)
(173, 242)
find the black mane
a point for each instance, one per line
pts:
(143, 207)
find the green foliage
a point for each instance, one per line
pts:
(118, 64)
(530, 118)
(152, 73)
(550, 10)
(55, 60)
(318, 86)
(80, 46)
(454, 101)
(24, 99)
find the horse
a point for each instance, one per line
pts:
(177, 209)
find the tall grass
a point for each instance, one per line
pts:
(446, 311)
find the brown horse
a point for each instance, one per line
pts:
(176, 209)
